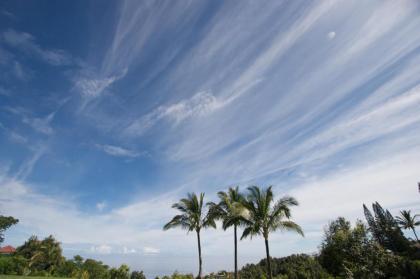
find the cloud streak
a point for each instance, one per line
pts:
(26, 43)
(118, 151)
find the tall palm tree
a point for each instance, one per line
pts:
(230, 210)
(265, 217)
(407, 221)
(193, 217)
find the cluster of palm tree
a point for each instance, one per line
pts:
(256, 212)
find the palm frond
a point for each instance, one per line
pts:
(290, 226)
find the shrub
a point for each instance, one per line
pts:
(137, 275)
(13, 265)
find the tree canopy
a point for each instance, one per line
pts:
(5, 223)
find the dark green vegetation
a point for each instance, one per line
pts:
(26, 277)
(43, 258)
(5, 223)
(375, 249)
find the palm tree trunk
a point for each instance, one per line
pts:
(414, 231)
(267, 250)
(236, 253)
(200, 261)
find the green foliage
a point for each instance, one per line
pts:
(264, 216)
(252, 271)
(385, 230)
(67, 268)
(230, 208)
(120, 273)
(95, 269)
(297, 267)
(177, 275)
(13, 265)
(220, 275)
(407, 221)
(27, 277)
(292, 267)
(42, 256)
(193, 216)
(5, 223)
(349, 251)
(137, 275)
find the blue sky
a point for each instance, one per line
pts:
(112, 110)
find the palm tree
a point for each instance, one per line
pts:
(192, 218)
(264, 217)
(407, 221)
(230, 210)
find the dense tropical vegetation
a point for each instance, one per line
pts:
(375, 249)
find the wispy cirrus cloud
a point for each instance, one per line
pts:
(20, 72)
(42, 125)
(92, 85)
(119, 151)
(26, 43)
(199, 105)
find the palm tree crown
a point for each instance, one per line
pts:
(193, 217)
(407, 221)
(263, 217)
(230, 208)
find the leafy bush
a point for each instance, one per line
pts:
(347, 251)
(252, 271)
(13, 265)
(120, 273)
(97, 270)
(42, 255)
(297, 267)
(177, 275)
(137, 275)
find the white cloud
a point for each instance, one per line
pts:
(26, 42)
(390, 181)
(118, 151)
(198, 105)
(18, 138)
(42, 125)
(13, 136)
(101, 249)
(151, 250)
(331, 35)
(19, 71)
(93, 87)
(129, 250)
(101, 205)
(25, 169)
